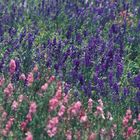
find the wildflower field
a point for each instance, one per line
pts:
(69, 70)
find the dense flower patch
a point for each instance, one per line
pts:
(38, 108)
(91, 47)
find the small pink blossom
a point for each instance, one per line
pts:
(130, 131)
(22, 77)
(33, 107)
(74, 109)
(2, 80)
(77, 105)
(52, 132)
(134, 121)
(4, 132)
(53, 103)
(83, 118)
(44, 87)
(52, 78)
(78, 135)
(61, 111)
(15, 105)
(128, 112)
(90, 104)
(65, 99)
(30, 79)
(54, 121)
(68, 135)
(9, 89)
(4, 115)
(9, 124)
(7, 92)
(20, 98)
(35, 69)
(125, 121)
(109, 116)
(100, 103)
(29, 117)
(23, 125)
(52, 126)
(58, 94)
(99, 109)
(29, 136)
(139, 117)
(92, 136)
(12, 66)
